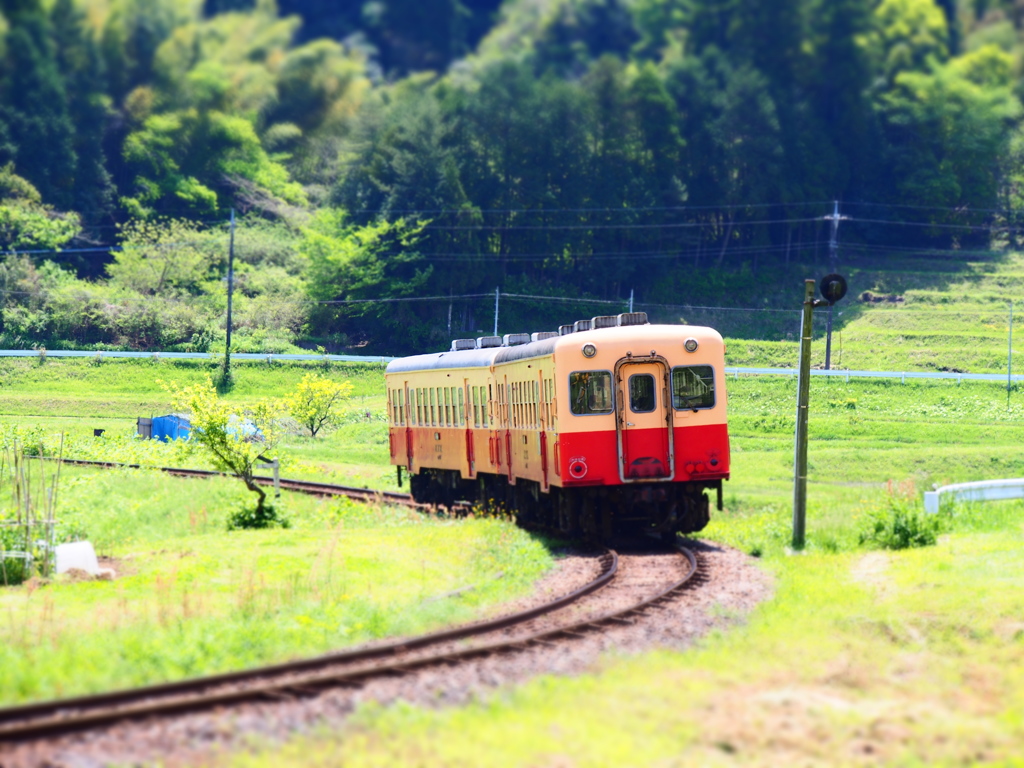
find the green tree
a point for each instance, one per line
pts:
(352, 271)
(165, 258)
(948, 131)
(27, 224)
(35, 103)
(315, 401)
(81, 66)
(234, 440)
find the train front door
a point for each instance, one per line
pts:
(644, 420)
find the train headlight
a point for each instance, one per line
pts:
(690, 345)
(589, 350)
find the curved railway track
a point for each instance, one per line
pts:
(510, 634)
(302, 486)
(540, 625)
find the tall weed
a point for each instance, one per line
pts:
(900, 521)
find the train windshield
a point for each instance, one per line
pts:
(590, 392)
(693, 387)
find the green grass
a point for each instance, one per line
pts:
(910, 657)
(951, 315)
(905, 658)
(77, 396)
(191, 598)
(914, 658)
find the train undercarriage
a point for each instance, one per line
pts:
(598, 513)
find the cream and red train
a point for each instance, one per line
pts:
(610, 427)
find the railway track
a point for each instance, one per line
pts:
(560, 620)
(301, 486)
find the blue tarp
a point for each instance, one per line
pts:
(172, 427)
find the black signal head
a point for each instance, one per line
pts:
(832, 287)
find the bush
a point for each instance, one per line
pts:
(245, 516)
(901, 522)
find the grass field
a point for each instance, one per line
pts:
(902, 313)
(864, 656)
(191, 598)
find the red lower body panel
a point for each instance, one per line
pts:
(592, 458)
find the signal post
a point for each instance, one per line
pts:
(833, 288)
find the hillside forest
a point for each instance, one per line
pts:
(390, 163)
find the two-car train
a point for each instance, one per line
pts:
(610, 427)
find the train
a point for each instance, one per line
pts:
(608, 428)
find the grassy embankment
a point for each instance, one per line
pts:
(191, 598)
(77, 396)
(902, 314)
(912, 657)
(899, 657)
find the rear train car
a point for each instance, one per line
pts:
(611, 427)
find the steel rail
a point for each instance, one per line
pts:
(56, 716)
(303, 486)
(59, 718)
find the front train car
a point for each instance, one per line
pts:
(610, 428)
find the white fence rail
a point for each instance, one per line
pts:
(105, 354)
(730, 370)
(901, 375)
(984, 490)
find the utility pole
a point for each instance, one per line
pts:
(231, 288)
(833, 252)
(802, 402)
(1009, 358)
(630, 299)
(497, 295)
(833, 288)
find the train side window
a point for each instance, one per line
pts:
(490, 405)
(433, 412)
(590, 392)
(401, 407)
(419, 405)
(475, 394)
(693, 387)
(462, 410)
(536, 404)
(447, 407)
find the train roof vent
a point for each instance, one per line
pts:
(541, 335)
(565, 330)
(633, 318)
(604, 321)
(515, 339)
(486, 342)
(461, 344)
(582, 325)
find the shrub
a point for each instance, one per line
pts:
(245, 516)
(901, 522)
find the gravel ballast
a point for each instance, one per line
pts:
(730, 586)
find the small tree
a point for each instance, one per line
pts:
(315, 401)
(234, 441)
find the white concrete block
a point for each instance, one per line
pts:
(79, 555)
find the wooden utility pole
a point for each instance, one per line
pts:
(802, 402)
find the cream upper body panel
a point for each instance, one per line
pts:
(613, 344)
